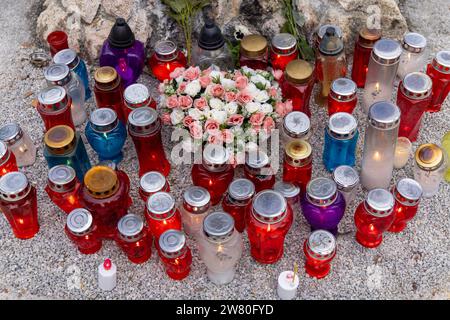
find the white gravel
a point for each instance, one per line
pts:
(412, 265)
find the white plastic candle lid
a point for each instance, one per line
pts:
(152, 181)
(287, 284)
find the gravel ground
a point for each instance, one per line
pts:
(412, 265)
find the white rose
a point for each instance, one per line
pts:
(252, 89)
(231, 108)
(251, 146)
(266, 108)
(176, 116)
(215, 74)
(261, 96)
(246, 69)
(260, 79)
(219, 115)
(237, 130)
(193, 88)
(227, 83)
(252, 107)
(179, 79)
(195, 113)
(216, 104)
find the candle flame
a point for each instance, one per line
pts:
(377, 87)
(377, 156)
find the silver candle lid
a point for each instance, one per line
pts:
(296, 124)
(442, 62)
(152, 181)
(67, 57)
(166, 50)
(143, 120)
(287, 189)
(284, 43)
(130, 226)
(218, 226)
(414, 42)
(386, 51)
(384, 115)
(61, 178)
(342, 126)
(161, 205)
(345, 177)
(10, 133)
(321, 191)
(269, 206)
(53, 96)
(136, 95)
(14, 186)
(4, 152)
(79, 221)
(321, 244)
(215, 156)
(416, 85)
(343, 89)
(58, 74)
(196, 196)
(379, 202)
(323, 30)
(103, 119)
(172, 242)
(241, 189)
(408, 192)
(257, 159)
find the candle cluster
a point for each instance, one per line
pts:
(96, 198)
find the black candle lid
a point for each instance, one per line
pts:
(211, 37)
(121, 35)
(331, 44)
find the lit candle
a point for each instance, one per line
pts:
(402, 152)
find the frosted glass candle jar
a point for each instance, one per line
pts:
(403, 149)
(196, 206)
(414, 55)
(19, 143)
(429, 169)
(220, 247)
(381, 74)
(347, 180)
(379, 145)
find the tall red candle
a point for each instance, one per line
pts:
(55, 107)
(439, 72)
(7, 160)
(363, 50)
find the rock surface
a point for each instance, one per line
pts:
(147, 17)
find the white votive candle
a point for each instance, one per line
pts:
(403, 150)
(107, 275)
(287, 285)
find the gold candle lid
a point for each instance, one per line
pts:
(298, 153)
(429, 156)
(101, 182)
(369, 36)
(298, 71)
(60, 139)
(106, 77)
(253, 45)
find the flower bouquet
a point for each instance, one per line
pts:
(235, 109)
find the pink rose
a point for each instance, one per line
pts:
(243, 97)
(215, 138)
(195, 129)
(165, 118)
(235, 120)
(217, 91)
(172, 102)
(257, 119)
(228, 136)
(230, 96)
(241, 82)
(178, 72)
(256, 129)
(191, 73)
(187, 121)
(268, 124)
(161, 88)
(181, 87)
(283, 108)
(288, 106)
(237, 74)
(185, 102)
(273, 92)
(204, 81)
(277, 74)
(200, 103)
(211, 126)
(207, 71)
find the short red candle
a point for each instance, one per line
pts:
(268, 221)
(108, 90)
(55, 107)
(363, 49)
(439, 72)
(134, 239)
(258, 170)
(297, 163)
(342, 97)
(62, 188)
(18, 203)
(136, 96)
(413, 99)
(166, 59)
(57, 40)
(7, 160)
(373, 217)
(175, 254)
(283, 50)
(254, 52)
(319, 250)
(82, 230)
(152, 182)
(407, 194)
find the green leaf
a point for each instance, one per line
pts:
(285, 28)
